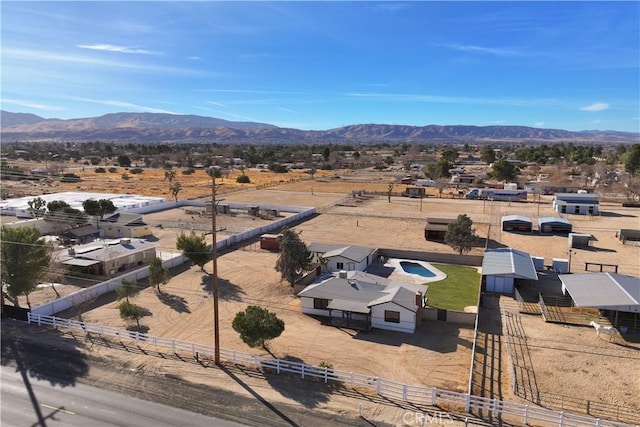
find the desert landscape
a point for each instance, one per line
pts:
(566, 359)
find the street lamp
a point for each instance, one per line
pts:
(214, 275)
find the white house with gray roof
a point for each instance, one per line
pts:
(337, 257)
(502, 267)
(360, 300)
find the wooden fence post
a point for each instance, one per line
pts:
(377, 385)
(434, 396)
(303, 371)
(526, 414)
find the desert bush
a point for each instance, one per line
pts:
(100, 170)
(136, 170)
(126, 176)
(243, 179)
(188, 171)
(70, 177)
(113, 170)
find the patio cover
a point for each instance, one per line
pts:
(351, 306)
(602, 289)
(80, 262)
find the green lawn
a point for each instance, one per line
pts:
(458, 290)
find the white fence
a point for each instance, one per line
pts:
(83, 296)
(417, 394)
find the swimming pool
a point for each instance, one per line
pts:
(415, 268)
(414, 271)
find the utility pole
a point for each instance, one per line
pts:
(214, 278)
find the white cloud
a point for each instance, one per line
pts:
(481, 49)
(538, 124)
(120, 49)
(216, 103)
(598, 106)
(287, 110)
(195, 58)
(30, 104)
(123, 104)
(439, 99)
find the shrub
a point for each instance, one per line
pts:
(70, 177)
(126, 176)
(243, 179)
(188, 171)
(100, 170)
(113, 170)
(136, 170)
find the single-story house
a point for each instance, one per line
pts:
(576, 203)
(554, 225)
(336, 257)
(436, 228)
(502, 267)
(106, 258)
(83, 234)
(517, 223)
(124, 225)
(360, 300)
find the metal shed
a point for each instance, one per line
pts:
(517, 223)
(502, 267)
(436, 228)
(554, 225)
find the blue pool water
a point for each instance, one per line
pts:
(415, 268)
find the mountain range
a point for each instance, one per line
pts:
(173, 128)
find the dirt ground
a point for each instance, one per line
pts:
(568, 360)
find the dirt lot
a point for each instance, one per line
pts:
(439, 354)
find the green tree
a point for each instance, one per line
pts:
(294, 257)
(127, 288)
(243, 179)
(99, 208)
(504, 171)
(130, 311)
(439, 170)
(257, 325)
(158, 274)
(37, 207)
(194, 247)
(450, 154)
(25, 259)
(124, 161)
(460, 235)
(488, 155)
(632, 159)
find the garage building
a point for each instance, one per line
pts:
(554, 225)
(517, 223)
(502, 267)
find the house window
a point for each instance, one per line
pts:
(392, 316)
(132, 259)
(340, 265)
(320, 303)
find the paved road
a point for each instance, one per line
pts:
(30, 402)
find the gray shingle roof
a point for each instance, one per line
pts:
(508, 262)
(360, 289)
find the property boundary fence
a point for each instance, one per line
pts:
(416, 394)
(524, 386)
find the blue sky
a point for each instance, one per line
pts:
(322, 65)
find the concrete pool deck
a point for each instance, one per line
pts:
(400, 275)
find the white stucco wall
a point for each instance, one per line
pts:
(348, 265)
(407, 318)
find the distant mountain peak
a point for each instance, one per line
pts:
(175, 128)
